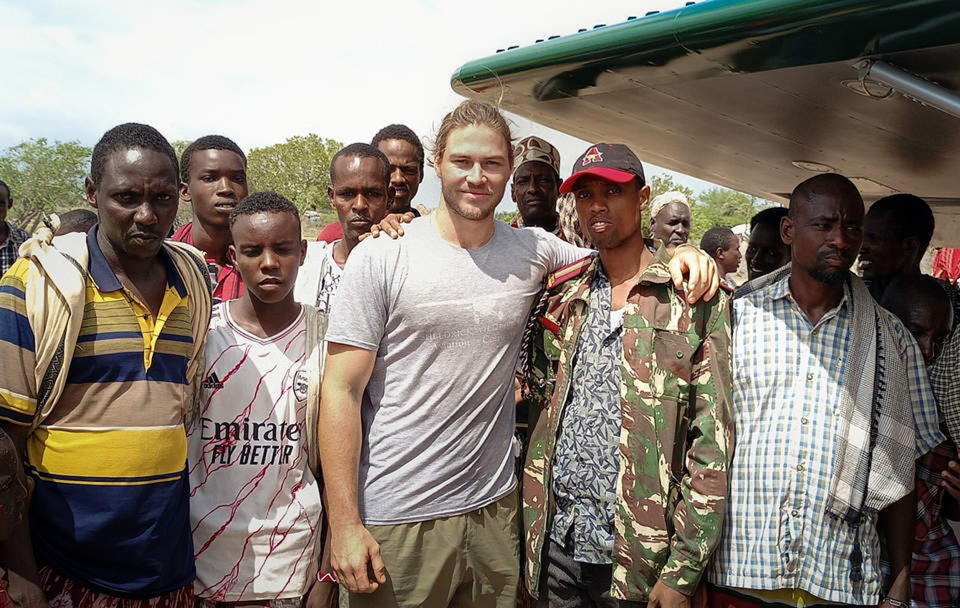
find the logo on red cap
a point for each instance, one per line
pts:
(592, 156)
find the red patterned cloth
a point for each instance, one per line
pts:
(228, 284)
(936, 552)
(946, 264)
(62, 592)
(5, 601)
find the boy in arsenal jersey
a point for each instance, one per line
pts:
(255, 487)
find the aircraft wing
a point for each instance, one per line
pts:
(755, 95)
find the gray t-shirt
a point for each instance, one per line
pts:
(446, 322)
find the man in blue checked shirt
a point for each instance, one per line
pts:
(832, 407)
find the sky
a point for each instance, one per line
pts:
(260, 71)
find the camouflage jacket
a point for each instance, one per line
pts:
(676, 439)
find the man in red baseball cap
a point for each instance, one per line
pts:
(615, 351)
(614, 162)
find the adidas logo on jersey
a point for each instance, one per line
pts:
(212, 381)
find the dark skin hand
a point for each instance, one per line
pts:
(16, 552)
(950, 482)
(899, 544)
(323, 595)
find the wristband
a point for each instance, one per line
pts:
(895, 603)
(326, 577)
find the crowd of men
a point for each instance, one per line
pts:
(236, 417)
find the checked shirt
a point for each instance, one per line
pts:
(936, 552)
(9, 249)
(943, 373)
(787, 374)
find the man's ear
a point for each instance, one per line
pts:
(644, 195)
(185, 193)
(9, 202)
(303, 251)
(786, 230)
(232, 255)
(91, 190)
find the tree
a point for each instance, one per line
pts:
(44, 178)
(505, 216)
(664, 183)
(721, 207)
(179, 146)
(297, 168)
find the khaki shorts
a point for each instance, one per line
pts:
(470, 560)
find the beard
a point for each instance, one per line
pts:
(452, 196)
(825, 273)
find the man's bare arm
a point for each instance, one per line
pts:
(352, 548)
(16, 552)
(896, 523)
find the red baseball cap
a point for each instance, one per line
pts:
(614, 162)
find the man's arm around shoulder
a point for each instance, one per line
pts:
(352, 549)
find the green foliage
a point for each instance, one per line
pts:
(179, 146)
(664, 183)
(44, 177)
(722, 207)
(297, 168)
(506, 216)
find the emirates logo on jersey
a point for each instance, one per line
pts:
(592, 156)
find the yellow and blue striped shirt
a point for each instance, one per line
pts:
(110, 509)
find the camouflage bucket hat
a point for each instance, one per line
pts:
(534, 149)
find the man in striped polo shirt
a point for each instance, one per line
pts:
(101, 418)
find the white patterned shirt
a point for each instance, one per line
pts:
(586, 461)
(254, 502)
(787, 374)
(329, 282)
